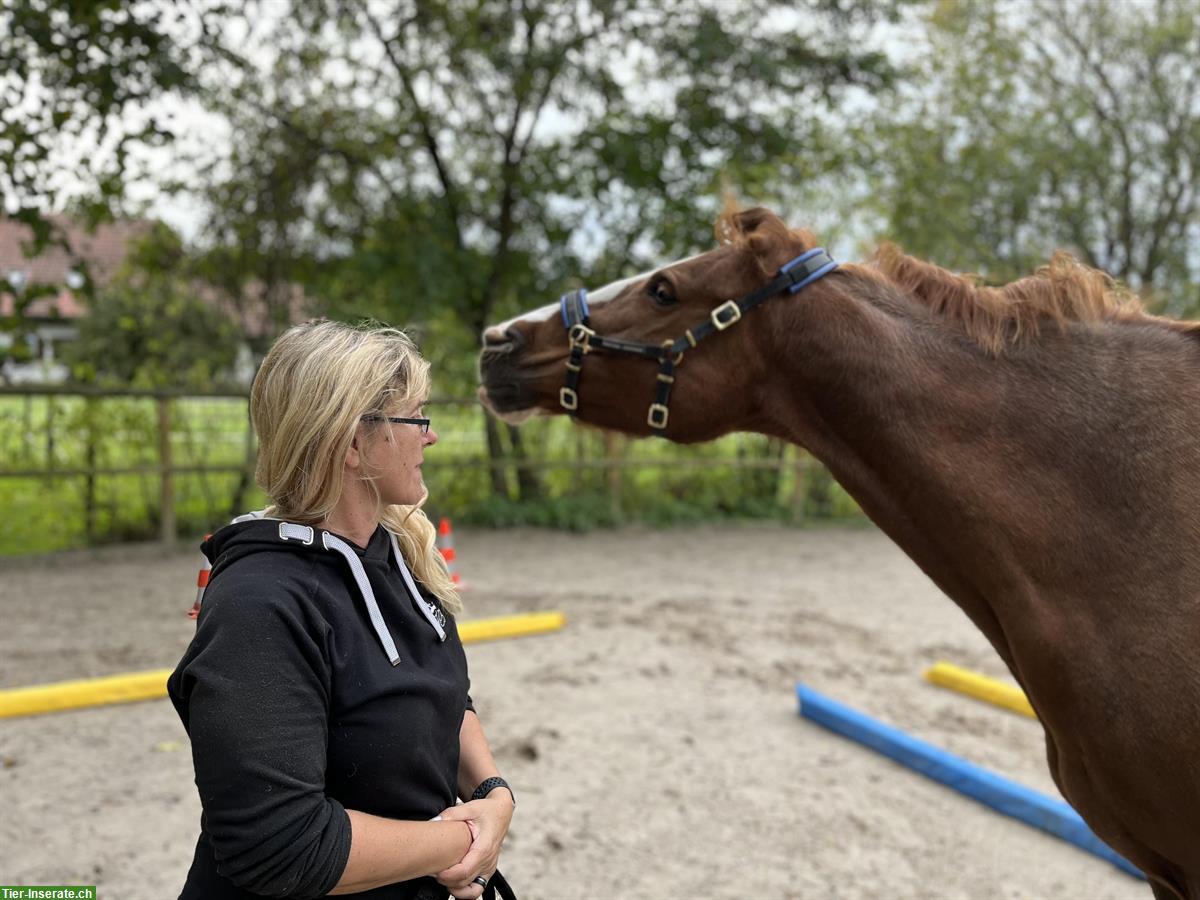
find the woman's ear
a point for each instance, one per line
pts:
(353, 454)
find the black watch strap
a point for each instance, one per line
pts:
(490, 784)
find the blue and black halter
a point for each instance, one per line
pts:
(793, 276)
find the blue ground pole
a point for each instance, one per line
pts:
(1002, 794)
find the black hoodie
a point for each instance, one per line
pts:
(297, 712)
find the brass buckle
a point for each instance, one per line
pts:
(568, 399)
(667, 345)
(730, 306)
(657, 417)
(580, 336)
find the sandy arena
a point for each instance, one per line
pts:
(654, 743)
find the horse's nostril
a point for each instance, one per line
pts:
(507, 341)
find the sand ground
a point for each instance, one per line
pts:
(654, 743)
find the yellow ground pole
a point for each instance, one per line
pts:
(510, 626)
(62, 695)
(989, 690)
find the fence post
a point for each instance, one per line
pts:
(27, 433)
(167, 496)
(613, 472)
(50, 410)
(89, 457)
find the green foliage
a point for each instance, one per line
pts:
(456, 160)
(75, 71)
(1049, 123)
(151, 328)
(440, 165)
(564, 513)
(77, 84)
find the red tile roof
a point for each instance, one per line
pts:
(104, 251)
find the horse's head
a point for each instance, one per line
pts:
(614, 356)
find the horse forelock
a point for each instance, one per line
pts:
(1062, 291)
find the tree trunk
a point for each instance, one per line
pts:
(820, 491)
(776, 452)
(800, 487)
(614, 473)
(529, 483)
(495, 457)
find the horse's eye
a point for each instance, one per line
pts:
(661, 293)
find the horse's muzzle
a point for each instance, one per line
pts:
(500, 383)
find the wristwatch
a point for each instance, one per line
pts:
(490, 784)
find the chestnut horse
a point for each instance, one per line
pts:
(1035, 448)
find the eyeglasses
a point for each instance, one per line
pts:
(423, 424)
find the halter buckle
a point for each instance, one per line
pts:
(568, 399)
(730, 307)
(580, 336)
(657, 417)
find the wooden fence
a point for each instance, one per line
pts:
(158, 456)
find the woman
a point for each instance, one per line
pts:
(325, 692)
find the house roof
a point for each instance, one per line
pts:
(104, 251)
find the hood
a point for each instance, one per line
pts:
(254, 533)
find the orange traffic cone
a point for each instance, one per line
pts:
(201, 584)
(445, 545)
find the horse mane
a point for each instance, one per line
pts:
(1062, 291)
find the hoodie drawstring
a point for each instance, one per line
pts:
(433, 615)
(331, 542)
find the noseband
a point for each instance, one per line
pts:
(793, 276)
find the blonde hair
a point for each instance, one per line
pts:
(310, 394)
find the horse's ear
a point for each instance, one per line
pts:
(750, 220)
(734, 225)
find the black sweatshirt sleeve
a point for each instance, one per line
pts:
(254, 691)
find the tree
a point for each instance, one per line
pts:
(1051, 123)
(448, 158)
(75, 83)
(152, 328)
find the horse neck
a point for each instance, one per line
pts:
(1016, 482)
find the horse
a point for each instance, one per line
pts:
(1033, 447)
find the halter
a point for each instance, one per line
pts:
(793, 276)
